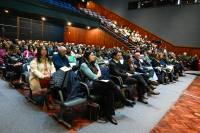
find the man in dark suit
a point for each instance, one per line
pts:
(116, 69)
(60, 60)
(147, 71)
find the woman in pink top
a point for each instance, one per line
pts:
(5, 47)
(29, 52)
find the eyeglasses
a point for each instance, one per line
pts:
(44, 50)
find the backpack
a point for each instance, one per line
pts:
(129, 94)
(119, 104)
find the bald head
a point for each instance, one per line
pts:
(137, 55)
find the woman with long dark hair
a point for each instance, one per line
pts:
(14, 61)
(41, 68)
(30, 52)
(156, 64)
(108, 89)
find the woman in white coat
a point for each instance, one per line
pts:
(41, 67)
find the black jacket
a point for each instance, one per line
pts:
(105, 55)
(51, 53)
(11, 60)
(127, 67)
(155, 63)
(116, 69)
(22, 49)
(67, 82)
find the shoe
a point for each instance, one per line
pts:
(153, 81)
(182, 75)
(172, 81)
(24, 87)
(145, 97)
(129, 103)
(50, 106)
(153, 87)
(151, 92)
(111, 119)
(143, 101)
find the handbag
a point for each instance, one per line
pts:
(94, 109)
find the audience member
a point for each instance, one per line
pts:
(116, 69)
(108, 88)
(60, 60)
(3, 50)
(14, 60)
(54, 51)
(41, 68)
(29, 52)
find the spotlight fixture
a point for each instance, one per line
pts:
(43, 18)
(88, 27)
(6, 11)
(69, 23)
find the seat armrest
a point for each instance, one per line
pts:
(84, 86)
(117, 80)
(61, 97)
(25, 78)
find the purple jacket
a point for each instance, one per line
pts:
(29, 54)
(2, 55)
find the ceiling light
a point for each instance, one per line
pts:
(69, 23)
(43, 18)
(6, 11)
(88, 27)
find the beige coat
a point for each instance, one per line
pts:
(36, 72)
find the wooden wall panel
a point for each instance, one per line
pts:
(96, 37)
(121, 21)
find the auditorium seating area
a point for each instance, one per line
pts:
(92, 71)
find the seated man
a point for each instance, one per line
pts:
(185, 58)
(99, 59)
(130, 79)
(54, 51)
(105, 55)
(60, 60)
(141, 69)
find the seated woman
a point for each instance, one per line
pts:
(129, 66)
(3, 51)
(14, 61)
(41, 67)
(146, 59)
(30, 52)
(157, 67)
(54, 51)
(79, 54)
(68, 54)
(108, 89)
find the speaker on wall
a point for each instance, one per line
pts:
(66, 29)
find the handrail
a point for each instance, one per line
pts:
(104, 26)
(133, 23)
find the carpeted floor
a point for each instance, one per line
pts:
(184, 116)
(19, 116)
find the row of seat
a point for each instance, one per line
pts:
(60, 4)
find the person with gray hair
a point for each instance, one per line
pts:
(21, 48)
(60, 60)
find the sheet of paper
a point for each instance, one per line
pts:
(65, 69)
(28, 67)
(121, 61)
(72, 64)
(104, 80)
(106, 61)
